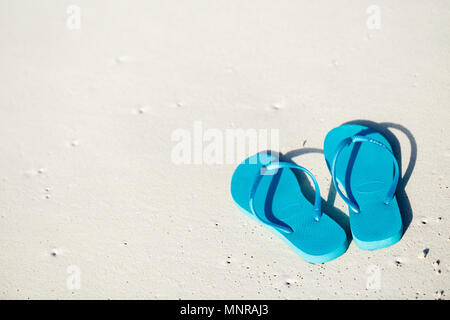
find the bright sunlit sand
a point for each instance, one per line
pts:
(112, 114)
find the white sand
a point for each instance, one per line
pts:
(86, 118)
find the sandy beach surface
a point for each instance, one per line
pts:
(95, 94)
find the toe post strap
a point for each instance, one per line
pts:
(355, 139)
(271, 169)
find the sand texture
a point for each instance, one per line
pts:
(93, 204)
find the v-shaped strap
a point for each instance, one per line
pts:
(271, 169)
(348, 141)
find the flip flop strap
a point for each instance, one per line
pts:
(348, 141)
(281, 165)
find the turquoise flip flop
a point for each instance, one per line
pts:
(268, 191)
(361, 162)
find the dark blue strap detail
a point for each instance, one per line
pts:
(346, 142)
(271, 169)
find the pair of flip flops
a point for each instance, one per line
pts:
(361, 163)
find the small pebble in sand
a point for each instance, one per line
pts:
(140, 110)
(422, 220)
(276, 106)
(439, 294)
(436, 264)
(424, 253)
(121, 59)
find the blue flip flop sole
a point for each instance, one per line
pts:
(366, 172)
(280, 198)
